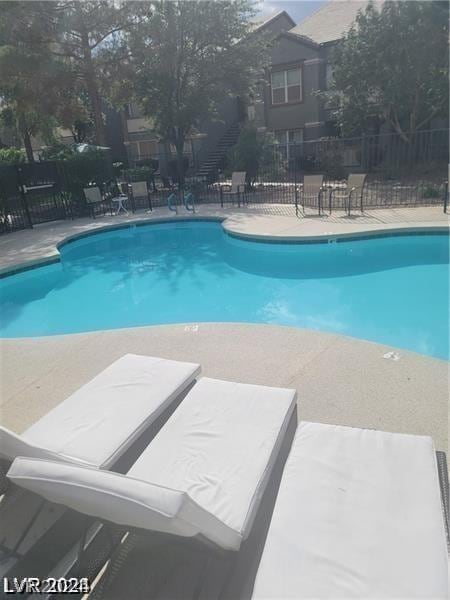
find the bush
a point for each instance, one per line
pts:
(256, 154)
(330, 159)
(139, 174)
(431, 191)
(80, 169)
(57, 151)
(11, 156)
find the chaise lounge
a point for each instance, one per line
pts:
(203, 475)
(358, 515)
(99, 422)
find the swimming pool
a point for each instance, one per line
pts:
(393, 289)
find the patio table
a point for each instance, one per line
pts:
(120, 200)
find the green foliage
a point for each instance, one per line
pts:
(51, 59)
(431, 191)
(256, 154)
(139, 174)
(80, 169)
(11, 156)
(392, 66)
(187, 57)
(36, 87)
(57, 151)
(88, 36)
(330, 156)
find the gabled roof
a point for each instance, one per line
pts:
(331, 21)
(299, 39)
(264, 20)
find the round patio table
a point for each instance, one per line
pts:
(120, 200)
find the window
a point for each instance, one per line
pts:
(133, 111)
(144, 149)
(187, 148)
(148, 148)
(287, 140)
(287, 86)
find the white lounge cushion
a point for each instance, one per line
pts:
(219, 446)
(100, 421)
(12, 445)
(118, 498)
(358, 515)
(215, 452)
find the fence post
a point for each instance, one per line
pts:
(445, 196)
(23, 196)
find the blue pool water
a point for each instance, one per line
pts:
(392, 290)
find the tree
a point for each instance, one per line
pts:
(256, 153)
(392, 66)
(83, 30)
(186, 57)
(72, 34)
(37, 90)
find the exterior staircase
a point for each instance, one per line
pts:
(214, 161)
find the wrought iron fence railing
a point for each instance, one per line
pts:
(400, 172)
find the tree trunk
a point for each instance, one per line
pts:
(94, 96)
(28, 147)
(91, 82)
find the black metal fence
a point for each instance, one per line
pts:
(423, 154)
(399, 171)
(31, 193)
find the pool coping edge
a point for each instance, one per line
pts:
(322, 238)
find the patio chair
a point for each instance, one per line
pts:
(310, 193)
(93, 198)
(352, 193)
(236, 190)
(358, 514)
(98, 423)
(139, 189)
(203, 476)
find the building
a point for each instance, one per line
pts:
(288, 105)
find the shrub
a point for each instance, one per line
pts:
(431, 191)
(57, 151)
(330, 159)
(256, 154)
(80, 169)
(139, 174)
(11, 156)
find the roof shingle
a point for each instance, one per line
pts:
(330, 22)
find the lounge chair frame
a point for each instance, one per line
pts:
(120, 463)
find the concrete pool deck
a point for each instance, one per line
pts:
(339, 380)
(267, 221)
